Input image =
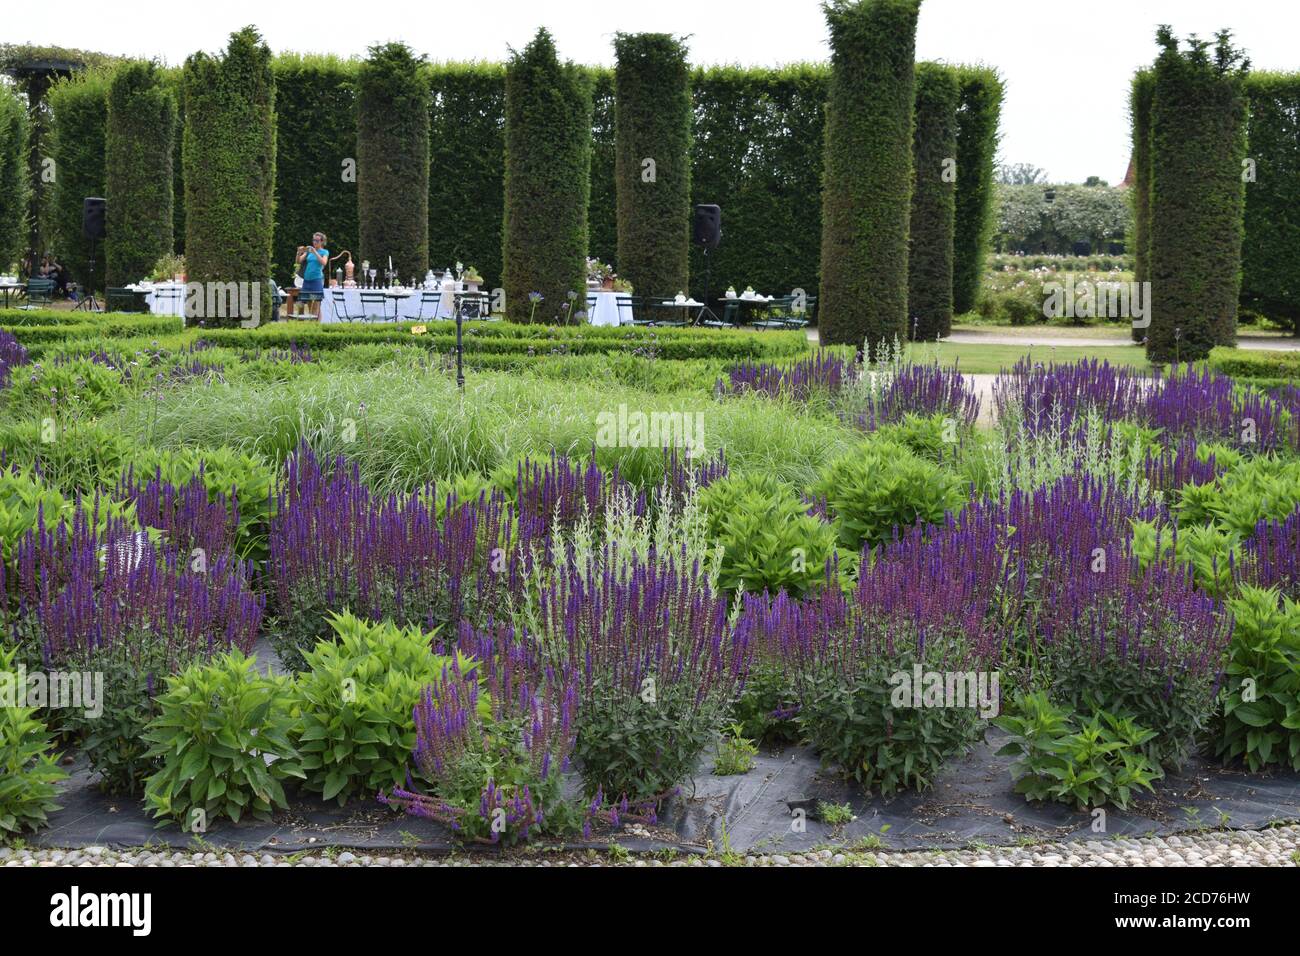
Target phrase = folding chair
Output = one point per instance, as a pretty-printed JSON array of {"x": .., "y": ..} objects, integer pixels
[
  {"x": 730, "y": 318},
  {"x": 40, "y": 293},
  {"x": 124, "y": 300},
  {"x": 371, "y": 299}
]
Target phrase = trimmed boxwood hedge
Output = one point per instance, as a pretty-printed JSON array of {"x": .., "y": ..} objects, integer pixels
[
  {"x": 866, "y": 202},
  {"x": 14, "y": 186},
  {"x": 548, "y": 169},
  {"x": 1271, "y": 251},
  {"x": 977, "y": 146},
  {"x": 1257, "y": 365},
  {"x": 467, "y": 166},
  {"x": 138, "y": 150},
  {"x": 393, "y": 160},
  {"x": 78, "y": 120},
  {"x": 929, "y": 257},
  {"x": 652, "y": 120},
  {"x": 40, "y": 328},
  {"x": 316, "y": 132},
  {"x": 1198, "y": 142},
  {"x": 1140, "y": 112},
  {"x": 229, "y": 158}
]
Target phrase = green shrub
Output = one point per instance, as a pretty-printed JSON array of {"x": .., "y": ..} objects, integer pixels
[
  {"x": 228, "y": 154},
  {"x": 1198, "y": 195},
  {"x": 1270, "y": 261},
  {"x": 867, "y": 184},
  {"x": 652, "y": 117},
  {"x": 766, "y": 708},
  {"x": 1066, "y": 758},
  {"x": 138, "y": 172},
  {"x": 882, "y": 490},
  {"x": 977, "y": 146},
  {"x": 221, "y": 735},
  {"x": 852, "y": 724},
  {"x": 735, "y": 753},
  {"x": 548, "y": 163},
  {"x": 29, "y": 772},
  {"x": 1260, "y": 721},
  {"x": 393, "y": 159},
  {"x": 79, "y": 457},
  {"x": 1263, "y": 367},
  {"x": 930, "y": 243},
  {"x": 355, "y": 701}
]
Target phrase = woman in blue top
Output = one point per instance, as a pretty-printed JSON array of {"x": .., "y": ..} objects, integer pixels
[{"x": 314, "y": 259}]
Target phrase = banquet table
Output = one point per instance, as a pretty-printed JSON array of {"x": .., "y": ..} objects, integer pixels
[
  {"x": 162, "y": 298},
  {"x": 403, "y": 305},
  {"x": 604, "y": 308},
  {"x": 11, "y": 288}
]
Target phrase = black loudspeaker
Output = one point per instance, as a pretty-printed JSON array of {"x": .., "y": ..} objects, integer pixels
[
  {"x": 708, "y": 226},
  {"x": 92, "y": 217}
]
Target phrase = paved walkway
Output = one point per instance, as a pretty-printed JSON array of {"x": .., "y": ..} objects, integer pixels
[
  {"x": 1276, "y": 847},
  {"x": 1048, "y": 336}
]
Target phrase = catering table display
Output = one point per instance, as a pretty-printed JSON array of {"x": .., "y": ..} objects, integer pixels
[
  {"x": 394, "y": 304},
  {"x": 162, "y": 298},
  {"x": 609, "y": 308}
]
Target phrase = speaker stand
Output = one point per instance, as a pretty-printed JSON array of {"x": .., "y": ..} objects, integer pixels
[
  {"x": 706, "y": 312},
  {"x": 88, "y": 301}
]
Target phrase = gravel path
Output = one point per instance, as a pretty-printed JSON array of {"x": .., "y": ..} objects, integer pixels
[{"x": 1276, "y": 847}]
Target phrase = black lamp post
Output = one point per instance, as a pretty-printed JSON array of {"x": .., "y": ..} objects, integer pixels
[{"x": 460, "y": 370}]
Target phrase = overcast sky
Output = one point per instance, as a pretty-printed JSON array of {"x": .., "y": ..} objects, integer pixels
[{"x": 1066, "y": 63}]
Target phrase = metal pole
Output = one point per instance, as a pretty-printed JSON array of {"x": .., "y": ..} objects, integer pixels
[{"x": 460, "y": 371}]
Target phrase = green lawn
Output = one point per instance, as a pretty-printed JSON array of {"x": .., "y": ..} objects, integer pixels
[{"x": 991, "y": 359}]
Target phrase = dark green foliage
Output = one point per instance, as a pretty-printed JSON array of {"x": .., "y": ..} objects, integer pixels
[
  {"x": 652, "y": 117},
  {"x": 393, "y": 160},
  {"x": 757, "y": 154},
  {"x": 14, "y": 183},
  {"x": 1198, "y": 143},
  {"x": 1087, "y": 761},
  {"x": 467, "y": 166},
  {"x": 29, "y": 772},
  {"x": 548, "y": 163},
  {"x": 1140, "y": 246},
  {"x": 316, "y": 133},
  {"x": 867, "y": 182},
  {"x": 229, "y": 159},
  {"x": 602, "y": 206},
  {"x": 930, "y": 252},
  {"x": 1271, "y": 251},
  {"x": 977, "y": 146},
  {"x": 79, "y": 117},
  {"x": 138, "y": 149}
]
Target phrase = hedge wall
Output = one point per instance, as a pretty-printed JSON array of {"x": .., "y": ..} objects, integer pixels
[
  {"x": 78, "y": 118},
  {"x": 14, "y": 185},
  {"x": 138, "y": 145},
  {"x": 1198, "y": 142},
  {"x": 467, "y": 166},
  {"x": 757, "y": 154},
  {"x": 602, "y": 206},
  {"x": 547, "y": 181},
  {"x": 229, "y": 159},
  {"x": 652, "y": 120},
  {"x": 977, "y": 146},
  {"x": 393, "y": 160},
  {"x": 316, "y": 132},
  {"x": 934, "y": 150},
  {"x": 1271, "y": 251},
  {"x": 1140, "y": 112},
  {"x": 175, "y": 79},
  {"x": 867, "y": 198}
]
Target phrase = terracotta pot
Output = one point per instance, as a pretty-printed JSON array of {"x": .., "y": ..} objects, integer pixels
[{"x": 607, "y": 285}]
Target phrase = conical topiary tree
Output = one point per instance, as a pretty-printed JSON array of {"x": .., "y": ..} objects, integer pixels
[{"x": 867, "y": 179}]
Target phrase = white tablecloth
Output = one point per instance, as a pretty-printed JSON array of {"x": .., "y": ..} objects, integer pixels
[
  {"x": 603, "y": 308},
  {"x": 163, "y": 298},
  {"x": 408, "y": 307}
]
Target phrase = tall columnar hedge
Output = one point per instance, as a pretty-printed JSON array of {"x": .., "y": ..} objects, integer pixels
[
  {"x": 1140, "y": 247},
  {"x": 548, "y": 168},
  {"x": 175, "y": 78},
  {"x": 652, "y": 119},
  {"x": 13, "y": 178},
  {"x": 757, "y": 153},
  {"x": 316, "y": 154},
  {"x": 866, "y": 201},
  {"x": 467, "y": 166},
  {"x": 139, "y": 141},
  {"x": 602, "y": 205},
  {"x": 393, "y": 160},
  {"x": 977, "y": 147},
  {"x": 229, "y": 158},
  {"x": 1198, "y": 144},
  {"x": 78, "y": 118},
  {"x": 1271, "y": 252},
  {"x": 934, "y": 154}
]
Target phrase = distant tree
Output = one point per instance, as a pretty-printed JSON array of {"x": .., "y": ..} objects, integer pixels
[
  {"x": 1095, "y": 181},
  {"x": 1020, "y": 174}
]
